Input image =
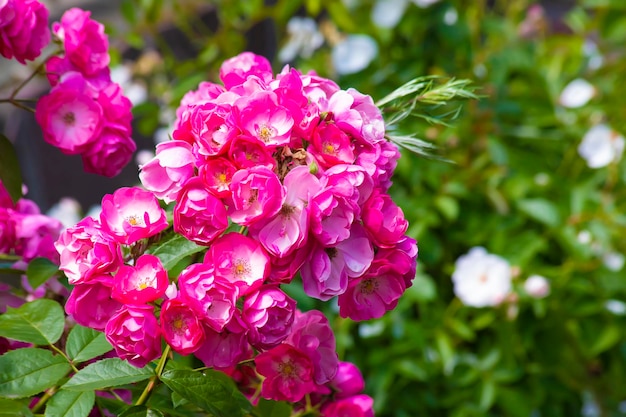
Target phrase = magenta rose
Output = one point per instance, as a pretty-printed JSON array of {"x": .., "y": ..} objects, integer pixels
[
  {"x": 269, "y": 314},
  {"x": 23, "y": 29},
  {"x": 109, "y": 154},
  {"x": 135, "y": 334},
  {"x": 139, "y": 284},
  {"x": 181, "y": 327},
  {"x": 91, "y": 305},
  {"x": 355, "y": 406},
  {"x": 236, "y": 70},
  {"x": 166, "y": 173}
]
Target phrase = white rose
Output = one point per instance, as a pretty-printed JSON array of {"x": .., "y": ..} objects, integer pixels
[{"x": 481, "y": 279}]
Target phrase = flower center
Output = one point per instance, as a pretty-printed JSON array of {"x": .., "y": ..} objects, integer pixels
[
  {"x": 286, "y": 210},
  {"x": 241, "y": 268},
  {"x": 287, "y": 369},
  {"x": 331, "y": 252},
  {"x": 329, "y": 148},
  {"x": 266, "y": 132},
  {"x": 69, "y": 118},
  {"x": 369, "y": 286},
  {"x": 134, "y": 220}
]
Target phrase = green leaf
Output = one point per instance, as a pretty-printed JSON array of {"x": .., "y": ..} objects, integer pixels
[
  {"x": 14, "y": 408},
  {"x": 541, "y": 210},
  {"x": 71, "y": 404},
  {"x": 28, "y": 371},
  {"x": 171, "y": 251},
  {"x": 267, "y": 408},
  {"x": 39, "y": 271},
  {"x": 211, "y": 390},
  {"x": 40, "y": 322},
  {"x": 107, "y": 373},
  {"x": 84, "y": 343},
  {"x": 10, "y": 173},
  {"x": 141, "y": 411}
]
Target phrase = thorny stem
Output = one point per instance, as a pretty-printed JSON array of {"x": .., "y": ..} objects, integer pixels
[{"x": 158, "y": 371}]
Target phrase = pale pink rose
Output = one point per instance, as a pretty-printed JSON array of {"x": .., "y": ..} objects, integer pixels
[
  {"x": 165, "y": 174},
  {"x": 311, "y": 334},
  {"x": 481, "y": 279},
  {"x": 181, "y": 327},
  {"x": 537, "y": 286},
  {"x": 135, "y": 334},
  {"x": 256, "y": 194},
  {"x": 226, "y": 348},
  {"x": 199, "y": 215},
  {"x": 383, "y": 220},
  {"x": 268, "y": 313},
  {"x": 318, "y": 89},
  {"x": 23, "y": 29},
  {"x": 69, "y": 117},
  {"x": 85, "y": 251},
  {"x": 354, "y": 406},
  {"x": 236, "y": 70},
  {"x": 288, "y": 229},
  {"x": 109, "y": 154},
  {"x": 288, "y": 373},
  {"x": 91, "y": 305},
  {"x": 131, "y": 214},
  {"x": 239, "y": 259},
  {"x": 373, "y": 125},
  {"x": 212, "y": 297},
  {"x": 142, "y": 283},
  {"x": 86, "y": 45},
  {"x": 261, "y": 117}
]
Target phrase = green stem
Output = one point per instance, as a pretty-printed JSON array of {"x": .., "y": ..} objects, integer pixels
[
  {"x": 49, "y": 393},
  {"x": 158, "y": 371},
  {"x": 60, "y": 352}
]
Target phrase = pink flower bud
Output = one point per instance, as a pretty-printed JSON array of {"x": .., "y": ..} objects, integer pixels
[
  {"x": 236, "y": 70},
  {"x": 355, "y": 406},
  {"x": 348, "y": 381},
  {"x": 537, "y": 286}
]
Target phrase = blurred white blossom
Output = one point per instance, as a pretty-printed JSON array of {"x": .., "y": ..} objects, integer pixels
[
  {"x": 134, "y": 91},
  {"x": 616, "y": 307},
  {"x": 424, "y": 3},
  {"x": 600, "y": 146},
  {"x": 594, "y": 57},
  {"x": 481, "y": 279},
  {"x": 577, "y": 93},
  {"x": 537, "y": 286},
  {"x": 614, "y": 261},
  {"x": 387, "y": 13},
  {"x": 67, "y": 211},
  {"x": 451, "y": 16},
  {"x": 354, "y": 53},
  {"x": 304, "y": 39}
]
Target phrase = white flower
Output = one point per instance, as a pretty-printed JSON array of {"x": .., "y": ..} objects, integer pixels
[
  {"x": 387, "y": 13},
  {"x": 354, "y": 53},
  {"x": 304, "y": 39},
  {"x": 424, "y": 3},
  {"x": 481, "y": 279},
  {"x": 537, "y": 286},
  {"x": 613, "y": 261},
  {"x": 67, "y": 211},
  {"x": 616, "y": 307},
  {"x": 600, "y": 146},
  {"x": 577, "y": 93}
]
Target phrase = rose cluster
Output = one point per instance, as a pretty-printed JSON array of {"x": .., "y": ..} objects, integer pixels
[
  {"x": 85, "y": 113},
  {"x": 24, "y": 231},
  {"x": 23, "y": 29},
  {"x": 304, "y": 167},
  {"x": 277, "y": 178}
]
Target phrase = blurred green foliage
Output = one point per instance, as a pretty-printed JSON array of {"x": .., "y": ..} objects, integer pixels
[{"x": 514, "y": 184}]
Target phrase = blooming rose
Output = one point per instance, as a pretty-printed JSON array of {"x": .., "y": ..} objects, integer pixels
[
  {"x": 139, "y": 284},
  {"x": 109, "y": 154},
  {"x": 199, "y": 215},
  {"x": 91, "y": 305},
  {"x": 236, "y": 70},
  {"x": 601, "y": 146},
  {"x": 481, "y": 279},
  {"x": 165, "y": 174},
  {"x": 23, "y": 29},
  {"x": 355, "y": 406},
  {"x": 131, "y": 214},
  {"x": 135, "y": 334},
  {"x": 182, "y": 329},
  {"x": 256, "y": 194},
  {"x": 269, "y": 314}
]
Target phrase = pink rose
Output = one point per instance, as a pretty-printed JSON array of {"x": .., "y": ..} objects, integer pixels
[
  {"x": 288, "y": 373},
  {"x": 181, "y": 327},
  {"x": 269, "y": 314},
  {"x": 131, "y": 214},
  {"x": 256, "y": 194},
  {"x": 23, "y": 29},
  {"x": 348, "y": 381},
  {"x": 236, "y": 70},
  {"x": 166, "y": 173},
  {"x": 383, "y": 220},
  {"x": 69, "y": 117},
  {"x": 262, "y": 118},
  {"x": 226, "y": 348},
  {"x": 91, "y": 305},
  {"x": 199, "y": 215},
  {"x": 109, "y": 154},
  {"x": 86, "y": 45},
  {"x": 135, "y": 334},
  {"x": 35, "y": 235},
  {"x": 355, "y": 406},
  {"x": 85, "y": 250},
  {"x": 142, "y": 283}
]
